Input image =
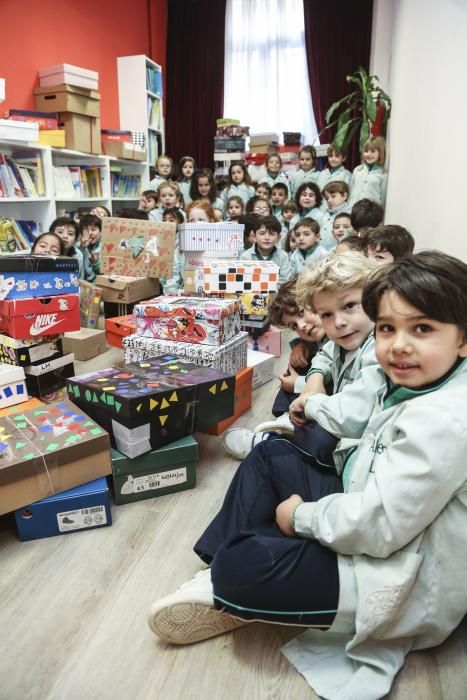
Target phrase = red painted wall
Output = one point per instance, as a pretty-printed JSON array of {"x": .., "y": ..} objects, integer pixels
[{"x": 87, "y": 33}]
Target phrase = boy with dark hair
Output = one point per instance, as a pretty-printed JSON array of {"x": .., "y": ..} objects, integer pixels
[
  {"x": 173, "y": 215},
  {"x": 353, "y": 242},
  {"x": 148, "y": 200},
  {"x": 266, "y": 235},
  {"x": 385, "y": 244},
  {"x": 335, "y": 169},
  {"x": 366, "y": 214},
  {"x": 279, "y": 194},
  {"x": 90, "y": 228},
  {"x": 336, "y": 195},
  {"x": 309, "y": 250},
  {"x": 68, "y": 230}
]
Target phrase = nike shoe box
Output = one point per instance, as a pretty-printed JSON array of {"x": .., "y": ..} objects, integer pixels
[
  {"x": 29, "y": 351},
  {"x": 12, "y": 386},
  {"x": 84, "y": 507},
  {"x": 38, "y": 317},
  {"x": 26, "y": 276},
  {"x": 167, "y": 470},
  {"x": 49, "y": 376}
]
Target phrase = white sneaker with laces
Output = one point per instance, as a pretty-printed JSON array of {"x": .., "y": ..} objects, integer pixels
[
  {"x": 189, "y": 615},
  {"x": 239, "y": 442},
  {"x": 282, "y": 424}
]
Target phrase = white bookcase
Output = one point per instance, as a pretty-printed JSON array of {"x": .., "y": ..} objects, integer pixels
[
  {"x": 54, "y": 203},
  {"x": 141, "y": 101}
]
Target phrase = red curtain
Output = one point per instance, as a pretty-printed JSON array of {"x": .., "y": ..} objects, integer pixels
[
  {"x": 338, "y": 41},
  {"x": 195, "y": 77}
]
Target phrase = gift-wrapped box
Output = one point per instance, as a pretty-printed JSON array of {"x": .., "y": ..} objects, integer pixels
[
  {"x": 119, "y": 327},
  {"x": 47, "y": 450},
  {"x": 236, "y": 277},
  {"x": 145, "y": 405},
  {"x": 84, "y": 507},
  {"x": 49, "y": 376},
  {"x": 225, "y": 236},
  {"x": 126, "y": 290},
  {"x": 89, "y": 305},
  {"x": 12, "y": 386},
  {"x": 269, "y": 342},
  {"x": 27, "y": 276},
  {"x": 137, "y": 248},
  {"x": 188, "y": 319},
  {"x": 29, "y": 351},
  {"x": 243, "y": 397},
  {"x": 26, "y": 318},
  {"x": 229, "y": 357},
  {"x": 262, "y": 365},
  {"x": 169, "y": 469}
]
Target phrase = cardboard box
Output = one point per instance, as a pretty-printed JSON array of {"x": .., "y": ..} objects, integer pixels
[
  {"x": 68, "y": 98},
  {"x": 26, "y": 276},
  {"x": 48, "y": 450},
  {"x": 66, "y": 73},
  {"x": 45, "y": 120},
  {"x": 16, "y": 352},
  {"x": 236, "y": 277},
  {"x": 167, "y": 470},
  {"x": 229, "y": 357},
  {"x": 25, "y": 318},
  {"x": 12, "y": 386},
  {"x": 243, "y": 398},
  {"x": 197, "y": 259},
  {"x": 262, "y": 365},
  {"x": 119, "y": 327},
  {"x": 84, "y": 507},
  {"x": 89, "y": 304},
  {"x": 81, "y": 133},
  {"x": 188, "y": 319},
  {"x": 12, "y": 130},
  {"x": 269, "y": 342},
  {"x": 21, "y": 407},
  {"x": 85, "y": 343},
  {"x": 145, "y": 405},
  {"x": 116, "y": 309},
  {"x": 112, "y": 135},
  {"x": 224, "y": 236},
  {"x": 52, "y": 137},
  {"x": 122, "y": 149},
  {"x": 136, "y": 248},
  {"x": 50, "y": 376},
  {"x": 125, "y": 290},
  {"x": 191, "y": 281}
]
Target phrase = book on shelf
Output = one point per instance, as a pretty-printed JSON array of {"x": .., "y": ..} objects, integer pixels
[
  {"x": 16, "y": 235},
  {"x": 31, "y": 161},
  {"x": 20, "y": 179},
  {"x": 154, "y": 80},
  {"x": 77, "y": 181},
  {"x": 124, "y": 184},
  {"x": 154, "y": 113}
]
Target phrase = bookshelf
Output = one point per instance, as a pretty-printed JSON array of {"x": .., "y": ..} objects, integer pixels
[
  {"x": 140, "y": 96},
  {"x": 91, "y": 175}
]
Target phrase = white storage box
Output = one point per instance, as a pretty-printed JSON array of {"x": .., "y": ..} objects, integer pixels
[
  {"x": 12, "y": 385},
  {"x": 71, "y": 75},
  {"x": 222, "y": 236},
  {"x": 11, "y": 130},
  {"x": 263, "y": 367}
]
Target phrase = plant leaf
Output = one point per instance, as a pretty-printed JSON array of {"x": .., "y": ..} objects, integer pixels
[
  {"x": 339, "y": 104},
  {"x": 364, "y": 135},
  {"x": 370, "y": 107},
  {"x": 340, "y": 138}
]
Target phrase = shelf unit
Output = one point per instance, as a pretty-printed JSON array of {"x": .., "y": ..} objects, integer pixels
[
  {"x": 45, "y": 209},
  {"x": 141, "y": 101}
]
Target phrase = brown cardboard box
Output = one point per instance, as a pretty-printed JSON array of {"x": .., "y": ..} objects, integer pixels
[
  {"x": 122, "y": 149},
  {"x": 81, "y": 133},
  {"x": 126, "y": 290},
  {"x": 68, "y": 98},
  {"x": 61, "y": 447},
  {"x": 85, "y": 343}
]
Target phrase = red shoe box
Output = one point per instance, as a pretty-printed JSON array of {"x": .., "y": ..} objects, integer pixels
[
  {"x": 119, "y": 327},
  {"x": 34, "y": 318}
]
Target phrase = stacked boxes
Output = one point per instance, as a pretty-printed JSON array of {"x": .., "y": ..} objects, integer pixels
[
  {"x": 229, "y": 143},
  {"x": 90, "y": 301},
  {"x": 120, "y": 294}
]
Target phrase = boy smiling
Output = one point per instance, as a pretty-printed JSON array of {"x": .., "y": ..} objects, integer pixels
[{"x": 266, "y": 236}]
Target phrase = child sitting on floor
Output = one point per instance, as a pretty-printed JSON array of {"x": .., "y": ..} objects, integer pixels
[
  {"x": 385, "y": 244},
  {"x": 376, "y": 561}
]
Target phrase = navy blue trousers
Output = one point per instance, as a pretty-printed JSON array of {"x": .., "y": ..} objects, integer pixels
[{"x": 258, "y": 572}]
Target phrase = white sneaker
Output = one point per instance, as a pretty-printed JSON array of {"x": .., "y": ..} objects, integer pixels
[
  {"x": 239, "y": 442},
  {"x": 282, "y": 424},
  {"x": 189, "y": 615}
]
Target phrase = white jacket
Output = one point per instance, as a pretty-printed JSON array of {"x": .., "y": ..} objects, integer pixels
[
  {"x": 400, "y": 531},
  {"x": 368, "y": 183}
]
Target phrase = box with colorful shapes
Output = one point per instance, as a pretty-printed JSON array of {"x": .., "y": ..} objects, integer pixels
[
  {"x": 243, "y": 398},
  {"x": 47, "y": 450},
  {"x": 25, "y": 352},
  {"x": 25, "y": 318},
  {"x": 145, "y": 405},
  {"x": 12, "y": 386},
  {"x": 31, "y": 276},
  {"x": 188, "y": 319}
]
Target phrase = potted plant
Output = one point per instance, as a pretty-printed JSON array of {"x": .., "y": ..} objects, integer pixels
[{"x": 365, "y": 111}]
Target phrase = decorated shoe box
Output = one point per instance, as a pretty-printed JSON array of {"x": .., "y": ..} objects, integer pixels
[
  {"x": 229, "y": 357},
  {"x": 48, "y": 450},
  {"x": 167, "y": 470},
  {"x": 269, "y": 342},
  {"x": 85, "y": 343},
  {"x": 243, "y": 398},
  {"x": 89, "y": 304},
  {"x": 197, "y": 259},
  {"x": 29, "y": 351},
  {"x": 26, "y": 318},
  {"x": 145, "y": 405},
  {"x": 84, "y": 507},
  {"x": 12, "y": 386},
  {"x": 189, "y": 319},
  {"x": 263, "y": 367},
  {"x": 118, "y": 328},
  {"x": 114, "y": 309},
  {"x": 238, "y": 276},
  {"x": 126, "y": 290},
  {"x": 21, "y": 407},
  {"x": 27, "y": 276},
  {"x": 49, "y": 376},
  {"x": 255, "y": 324},
  {"x": 222, "y": 236}
]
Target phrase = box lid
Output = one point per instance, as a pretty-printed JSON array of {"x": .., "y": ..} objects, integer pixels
[
  {"x": 97, "y": 486},
  {"x": 169, "y": 455},
  {"x": 50, "y": 365},
  {"x": 10, "y": 374},
  {"x": 30, "y": 113},
  {"x": 74, "y": 89},
  {"x": 196, "y": 307},
  {"x": 119, "y": 283},
  {"x": 85, "y": 334},
  {"x": 37, "y": 263},
  {"x": 121, "y": 324},
  {"x": 16, "y": 124},
  {"x": 11, "y": 308},
  {"x": 77, "y": 70}
]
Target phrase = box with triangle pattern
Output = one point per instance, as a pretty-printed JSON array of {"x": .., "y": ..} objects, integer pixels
[{"x": 145, "y": 405}]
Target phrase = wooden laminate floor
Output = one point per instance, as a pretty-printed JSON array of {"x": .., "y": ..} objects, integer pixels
[{"x": 73, "y": 608}]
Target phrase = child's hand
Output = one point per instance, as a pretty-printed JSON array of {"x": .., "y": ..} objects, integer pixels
[
  {"x": 297, "y": 410},
  {"x": 288, "y": 379},
  {"x": 284, "y": 513},
  {"x": 85, "y": 238},
  {"x": 300, "y": 355}
]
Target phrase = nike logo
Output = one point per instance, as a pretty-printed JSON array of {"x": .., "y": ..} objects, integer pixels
[{"x": 43, "y": 323}]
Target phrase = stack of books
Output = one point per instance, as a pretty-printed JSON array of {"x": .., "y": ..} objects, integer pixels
[
  {"x": 77, "y": 181},
  {"x": 21, "y": 175}
]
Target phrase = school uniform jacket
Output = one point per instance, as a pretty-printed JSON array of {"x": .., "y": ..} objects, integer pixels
[
  {"x": 244, "y": 191},
  {"x": 329, "y": 174},
  {"x": 156, "y": 182},
  {"x": 368, "y": 182},
  {"x": 301, "y": 176},
  {"x": 271, "y": 180},
  {"x": 327, "y": 221},
  {"x": 399, "y": 531},
  {"x": 277, "y": 256},
  {"x": 185, "y": 185},
  {"x": 307, "y": 259}
]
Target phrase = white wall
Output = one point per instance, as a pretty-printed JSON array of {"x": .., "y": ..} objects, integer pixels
[{"x": 420, "y": 47}]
